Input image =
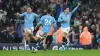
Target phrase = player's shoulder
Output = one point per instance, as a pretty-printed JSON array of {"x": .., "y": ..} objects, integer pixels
[
  {"x": 33, "y": 13},
  {"x": 70, "y": 12},
  {"x": 62, "y": 13}
]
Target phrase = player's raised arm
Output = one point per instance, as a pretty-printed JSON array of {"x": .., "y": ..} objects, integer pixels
[{"x": 75, "y": 8}]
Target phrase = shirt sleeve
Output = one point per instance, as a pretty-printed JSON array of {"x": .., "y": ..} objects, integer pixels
[
  {"x": 60, "y": 19},
  {"x": 37, "y": 18},
  {"x": 74, "y": 9},
  {"x": 23, "y": 14},
  {"x": 40, "y": 22}
]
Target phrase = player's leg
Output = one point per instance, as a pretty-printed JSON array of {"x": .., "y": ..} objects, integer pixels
[
  {"x": 25, "y": 38},
  {"x": 37, "y": 36},
  {"x": 66, "y": 40},
  {"x": 40, "y": 36},
  {"x": 67, "y": 37},
  {"x": 49, "y": 40},
  {"x": 64, "y": 34},
  {"x": 31, "y": 36},
  {"x": 43, "y": 37},
  {"x": 28, "y": 34}
]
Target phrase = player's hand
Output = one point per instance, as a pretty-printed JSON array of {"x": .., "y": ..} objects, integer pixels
[{"x": 79, "y": 3}]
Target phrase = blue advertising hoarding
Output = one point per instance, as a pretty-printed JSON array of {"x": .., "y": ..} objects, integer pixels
[{"x": 15, "y": 46}]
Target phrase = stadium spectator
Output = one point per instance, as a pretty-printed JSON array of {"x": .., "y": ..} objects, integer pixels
[
  {"x": 0, "y": 4},
  {"x": 3, "y": 15},
  {"x": 85, "y": 38},
  {"x": 26, "y": 6},
  {"x": 52, "y": 7},
  {"x": 59, "y": 9}
]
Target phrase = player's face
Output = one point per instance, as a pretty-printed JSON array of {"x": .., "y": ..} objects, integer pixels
[
  {"x": 29, "y": 10},
  {"x": 66, "y": 10}
]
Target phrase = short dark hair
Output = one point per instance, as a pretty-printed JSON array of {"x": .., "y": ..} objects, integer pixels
[
  {"x": 30, "y": 7},
  {"x": 65, "y": 7},
  {"x": 48, "y": 10}
]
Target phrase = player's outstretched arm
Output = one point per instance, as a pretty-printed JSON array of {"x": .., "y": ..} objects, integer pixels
[
  {"x": 38, "y": 25},
  {"x": 40, "y": 22},
  {"x": 21, "y": 15},
  {"x": 76, "y": 8},
  {"x": 37, "y": 17}
]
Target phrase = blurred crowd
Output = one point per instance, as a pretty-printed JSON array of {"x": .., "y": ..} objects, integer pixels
[{"x": 88, "y": 15}]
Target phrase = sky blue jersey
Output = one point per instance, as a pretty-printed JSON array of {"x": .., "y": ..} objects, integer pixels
[
  {"x": 28, "y": 19},
  {"x": 67, "y": 17},
  {"x": 47, "y": 22}
]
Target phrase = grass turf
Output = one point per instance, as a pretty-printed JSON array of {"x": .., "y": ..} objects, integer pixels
[{"x": 52, "y": 53}]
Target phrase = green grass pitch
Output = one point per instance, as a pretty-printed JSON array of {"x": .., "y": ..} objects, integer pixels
[{"x": 52, "y": 53}]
